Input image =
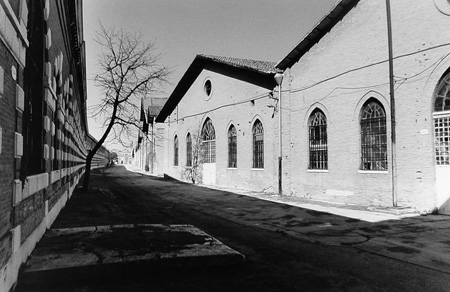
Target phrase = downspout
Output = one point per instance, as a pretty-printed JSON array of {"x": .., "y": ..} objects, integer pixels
[{"x": 392, "y": 105}]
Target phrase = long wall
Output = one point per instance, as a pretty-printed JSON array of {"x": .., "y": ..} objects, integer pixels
[
  {"x": 339, "y": 74},
  {"x": 232, "y": 102},
  {"x": 43, "y": 129}
]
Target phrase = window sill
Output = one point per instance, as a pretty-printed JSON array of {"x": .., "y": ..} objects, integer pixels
[
  {"x": 317, "y": 170},
  {"x": 232, "y": 168},
  {"x": 257, "y": 169},
  {"x": 373, "y": 171}
]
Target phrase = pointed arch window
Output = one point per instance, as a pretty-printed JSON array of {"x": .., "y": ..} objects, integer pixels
[
  {"x": 318, "y": 144},
  {"x": 208, "y": 142},
  {"x": 258, "y": 145},
  {"x": 188, "y": 150},
  {"x": 373, "y": 136},
  {"x": 442, "y": 99},
  {"x": 175, "y": 151},
  {"x": 232, "y": 147}
]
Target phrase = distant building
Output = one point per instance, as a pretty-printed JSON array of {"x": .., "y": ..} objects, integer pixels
[
  {"x": 125, "y": 157},
  {"x": 44, "y": 138},
  {"x": 149, "y": 136},
  {"x": 337, "y": 115}
]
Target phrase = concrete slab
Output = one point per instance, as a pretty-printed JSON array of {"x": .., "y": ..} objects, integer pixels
[{"x": 116, "y": 244}]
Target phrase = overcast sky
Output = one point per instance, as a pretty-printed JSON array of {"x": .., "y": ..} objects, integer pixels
[{"x": 264, "y": 30}]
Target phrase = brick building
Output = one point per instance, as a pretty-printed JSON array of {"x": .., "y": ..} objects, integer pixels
[
  {"x": 43, "y": 126},
  {"x": 145, "y": 150},
  {"x": 344, "y": 140},
  {"x": 221, "y": 103},
  {"x": 340, "y": 73}
]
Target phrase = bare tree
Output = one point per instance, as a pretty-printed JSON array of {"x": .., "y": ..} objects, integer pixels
[
  {"x": 194, "y": 171},
  {"x": 129, "y": 70}
]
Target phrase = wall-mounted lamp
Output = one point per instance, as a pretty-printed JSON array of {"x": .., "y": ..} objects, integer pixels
[{"x": 279, "y": 79}]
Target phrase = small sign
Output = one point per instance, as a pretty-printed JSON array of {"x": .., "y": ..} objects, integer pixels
[{"x": 424, "y": 132}]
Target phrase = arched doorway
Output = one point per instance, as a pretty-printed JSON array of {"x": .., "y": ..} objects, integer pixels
[
  {"x": 441, "y": 120},
  {"x": 208, "y": 153}
]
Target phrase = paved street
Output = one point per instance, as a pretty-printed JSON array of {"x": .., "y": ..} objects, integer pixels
[{"x": 287, "y": 248}]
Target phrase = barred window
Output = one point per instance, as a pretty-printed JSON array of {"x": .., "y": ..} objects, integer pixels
[
  {"x": 232, "y": 147},
  {"x": 373, "y": 137},
  {"x": 318, "y": 146},
  {"x": 175, "y": 151},
  {"x": 188, "y": 150},
  {"x": 208, "y": 142},
  {"x": 442, "y": 122},
  {"x": 258, "y": 145}
]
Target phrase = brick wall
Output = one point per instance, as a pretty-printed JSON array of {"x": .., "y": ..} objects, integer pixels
[
  {"x": 352, "y": 62},
  {"x": 7, "y": 123},
  {"x": 31, "y": 200},
  {"x": 339, "y": 74},
  {"x": 232, "y": 102}
]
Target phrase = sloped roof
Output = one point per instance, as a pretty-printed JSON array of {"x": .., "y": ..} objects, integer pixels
[
  {"x": 260, "y": 66},
  {"x": 151, "y": 107},
  {"x": 255, "y": 72},
  {"x": 315, "y": 35}
]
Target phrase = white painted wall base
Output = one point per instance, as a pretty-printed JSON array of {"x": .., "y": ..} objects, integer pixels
[{"x": 10, "y": 272}]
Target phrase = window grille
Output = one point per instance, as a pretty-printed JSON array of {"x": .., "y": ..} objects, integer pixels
[
  {"x": 318, "y": 146},
  {"x": 232, "y": 147},
  {"x": 442, "y": 122},
  {"x": 373, "y": 137},
  {"x": 442, "y": 140},
  {"x": 175, "y": 151},
  {"x": 258, "y": 145},
  {"x": 188, "y": 150},
  {"x": 208, "y": 142}
]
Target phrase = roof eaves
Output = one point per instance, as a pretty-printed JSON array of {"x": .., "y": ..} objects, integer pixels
[
  {"x": 315, "y": 35},
  {"x": 262, "y": 67}
]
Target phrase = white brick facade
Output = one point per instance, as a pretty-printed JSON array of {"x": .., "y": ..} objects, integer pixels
[
  {"x": 344, "y": 69},
  {"x": 350, "y": 65},
  {"x": 232, "y": 102}
]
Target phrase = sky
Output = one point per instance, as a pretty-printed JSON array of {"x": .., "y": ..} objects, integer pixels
[{"x": 265, "y": 30}]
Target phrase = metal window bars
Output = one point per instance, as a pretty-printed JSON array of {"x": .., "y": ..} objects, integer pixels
[
  {"x": 258, "y": 145},
  {"x": 318, "y": 144},
  {"x": 209, "y": 142},
  {"x": 373, "y": 137},
  {"x": 188, "y": 150},
  {"x": 442, "y": 140},
  {"x": 232, "y": 147}
]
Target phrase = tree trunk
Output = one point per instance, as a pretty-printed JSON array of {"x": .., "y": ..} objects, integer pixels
[{"x": 87, "y": 172}]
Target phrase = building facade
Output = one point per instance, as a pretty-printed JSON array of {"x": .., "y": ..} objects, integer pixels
[
  {"x": 43, "y": 127},
  {"x": 369, "y": 147},
  {"x": 218, "y": 126},
  {"x": 347, "y": 137},
  {"x": 149, "y": 133}
]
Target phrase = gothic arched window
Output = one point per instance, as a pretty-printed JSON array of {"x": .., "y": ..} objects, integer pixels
[
  {"x": 188, "y": 150},
  {"x": 208, "y": 142},
  {"x": 175, "y": 151},
  {"x": 373, "y": 136},
  {"x": 232, "y": 147},
  {"x": 258, "y": 145},
  {"x": 318, "y": 144}
]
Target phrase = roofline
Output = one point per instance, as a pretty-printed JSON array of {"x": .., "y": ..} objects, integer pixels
[
  {"x": 197, "y": 65},
  {"x": 336, "y": 14}
]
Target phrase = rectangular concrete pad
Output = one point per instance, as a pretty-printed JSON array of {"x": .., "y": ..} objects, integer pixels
[{"x": 163, "y": 245}]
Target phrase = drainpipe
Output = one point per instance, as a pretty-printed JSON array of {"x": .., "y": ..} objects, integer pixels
[
  {"x": 392, "y": 105},
  {"x": 278, "y": 79}
]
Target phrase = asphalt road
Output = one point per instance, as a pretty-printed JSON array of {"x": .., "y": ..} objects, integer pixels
[{"x": 278, "y": 258}]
